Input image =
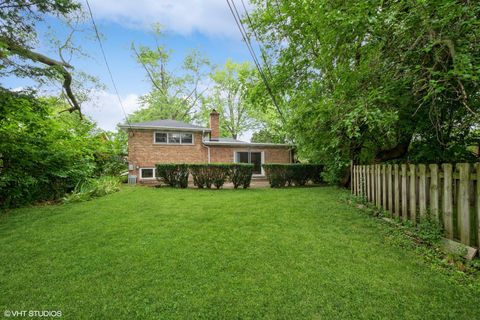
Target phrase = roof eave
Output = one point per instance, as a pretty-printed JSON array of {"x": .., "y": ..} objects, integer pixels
[
  {"x": 246, "y": 144},
  {"x": 126, "y": 126}
]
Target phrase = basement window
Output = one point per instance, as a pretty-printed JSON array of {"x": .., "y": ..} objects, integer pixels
[{"x": 147, "y": 173}]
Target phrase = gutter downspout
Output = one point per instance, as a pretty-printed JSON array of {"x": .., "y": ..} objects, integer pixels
[{"x": 208, "y": 148}]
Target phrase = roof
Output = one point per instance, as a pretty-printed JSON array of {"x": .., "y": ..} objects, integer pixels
[{"x": 167, "y": 124}]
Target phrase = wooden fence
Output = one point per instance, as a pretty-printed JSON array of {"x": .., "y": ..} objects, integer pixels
[{"x": 448, "y": 193}]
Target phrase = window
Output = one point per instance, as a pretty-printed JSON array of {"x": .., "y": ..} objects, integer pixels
[
  {"x": 173, "y": 137},
  {"x": 187, "y": 138},
  {"x": 160, "y": 137},
  {"x": 147, "y": 173},
  {"x": 254, "y": 158}
]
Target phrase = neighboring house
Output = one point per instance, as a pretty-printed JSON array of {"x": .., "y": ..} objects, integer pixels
[{"x": 171, "y": 141}]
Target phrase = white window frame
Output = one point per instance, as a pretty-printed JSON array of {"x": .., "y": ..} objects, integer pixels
[
  {"x": 168, "y": 138},
  {"x": 141, "y": 173},
  {"x": 249, "y": 160}
]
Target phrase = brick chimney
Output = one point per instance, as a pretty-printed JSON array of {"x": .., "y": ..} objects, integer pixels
[{"x": 214, "y": 125}]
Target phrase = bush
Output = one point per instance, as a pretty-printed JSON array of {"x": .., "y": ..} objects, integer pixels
[
  {"x": 241, "y": 174},
  {"x": 175, "y": 175},
  {"x": 93, "y": 188},
  {"x": 204, "y": 175},
  {"x": 281, "y": 174}
]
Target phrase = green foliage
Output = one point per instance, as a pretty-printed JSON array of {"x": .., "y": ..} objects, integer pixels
[
  {"x": 175, "y": 175},
  {"x": 44, "y": 154},
  {"x": 241, "y": 174},
  {"x": 282, "y": 174},
  {"x": 229, "y": 97},
  {"x": 93, "y": 188},
  {"x": 369, "y": 80},
  {"x": 204, "y": 175},
  {"x": 175, "y": 94}
]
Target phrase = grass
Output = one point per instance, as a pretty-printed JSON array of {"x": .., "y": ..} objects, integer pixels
[{"x": 147, "y": 253}]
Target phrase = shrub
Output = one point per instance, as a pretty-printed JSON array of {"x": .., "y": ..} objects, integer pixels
[
  {"x": 93, "y": 188},
  {"x": 281, "y": 174},
  {"x": 241, "y": 174},
  {"x": 208, "y": 174},
  {"x": 175, "y": 175}
]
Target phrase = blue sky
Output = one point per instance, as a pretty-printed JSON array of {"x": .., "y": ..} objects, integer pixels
[{"x": 206, "y": 25}]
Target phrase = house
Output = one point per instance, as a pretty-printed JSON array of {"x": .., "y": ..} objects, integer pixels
[{"x": 171, "y": 141}]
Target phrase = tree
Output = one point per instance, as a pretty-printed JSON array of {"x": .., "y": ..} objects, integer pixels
[
  {"x": 175, "y": 94},
  {"x": 374, "y": 81},
  {"x": 18, "y": 20},
  {"x": 229, "y": 97}
]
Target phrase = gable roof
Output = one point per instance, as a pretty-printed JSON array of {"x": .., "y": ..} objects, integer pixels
[{"x": 167, "y": 124}]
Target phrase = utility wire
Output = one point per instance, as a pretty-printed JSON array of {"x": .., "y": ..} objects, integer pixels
[
  {"x": 246, "y": 38},
  {"x": 106, "y": 63}
]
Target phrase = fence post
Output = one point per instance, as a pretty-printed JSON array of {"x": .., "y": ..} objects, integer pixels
[
  {"x": 389, "y": 188},
  {"x": 464, "y": 203},
  {"x": 422, "y": 186},
  {"x": 447, "y": 200},
  {"x": 434, "y": 191},
  {"x": 352, "y": 189},
  {"x": 404, "y": 192},
  {"x": 396, "y": 183},
  {"x": 413, "y": 193}
]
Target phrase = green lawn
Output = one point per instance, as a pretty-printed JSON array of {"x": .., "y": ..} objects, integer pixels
[{"x": 259, "y": 253}]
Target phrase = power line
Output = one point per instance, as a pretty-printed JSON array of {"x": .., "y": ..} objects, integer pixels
[
  {"x": 246, "y": 38},
  {"x": 106, "y": 63}
]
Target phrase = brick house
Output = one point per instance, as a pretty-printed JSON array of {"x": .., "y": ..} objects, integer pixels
[{"x": 171, "y": 141}]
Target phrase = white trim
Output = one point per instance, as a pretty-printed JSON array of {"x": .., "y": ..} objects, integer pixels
[
  {"x": 168, "y": 138},
  {"x": 126, "y": 126},
  {"x": 140, "y": 174},
  {"x": 262, "y": 160},
  {"x": 246, "y": 144}
]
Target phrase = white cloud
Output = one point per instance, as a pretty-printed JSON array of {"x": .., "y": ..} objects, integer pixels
[
  {"x": 105, "y": 109},
  {"x": 211, "y": 17}
]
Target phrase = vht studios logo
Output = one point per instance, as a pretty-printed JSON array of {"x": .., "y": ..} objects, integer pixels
[{"x": 33, "y": 313}]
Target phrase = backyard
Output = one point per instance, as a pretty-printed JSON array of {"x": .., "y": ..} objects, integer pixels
[{"x": 256, "y": 253}]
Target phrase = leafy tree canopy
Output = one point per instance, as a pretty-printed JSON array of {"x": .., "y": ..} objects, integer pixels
[{"x": 374, "y": 81}]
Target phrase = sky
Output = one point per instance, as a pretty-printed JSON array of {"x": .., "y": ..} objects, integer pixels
[{"x": 206, "y": 25}]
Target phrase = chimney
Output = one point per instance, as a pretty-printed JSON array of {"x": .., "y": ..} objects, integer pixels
[{"x": 214, "y": 125}]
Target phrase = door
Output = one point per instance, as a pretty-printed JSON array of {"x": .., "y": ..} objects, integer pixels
[{"x": 254, "y": 158}]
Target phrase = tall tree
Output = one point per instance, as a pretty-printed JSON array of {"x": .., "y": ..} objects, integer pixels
[
  {"x": 175, "y": 94},
  {"x": 18, "y": 36},
  {"x": 229, "y": 97},
  {"x": 374, "y": 81}
]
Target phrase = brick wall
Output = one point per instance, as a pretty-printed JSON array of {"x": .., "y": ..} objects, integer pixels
[
  {"x": 271, "y": 154},
  {"x": 143, "y": 153}
]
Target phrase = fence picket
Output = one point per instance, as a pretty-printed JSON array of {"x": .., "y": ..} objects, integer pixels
[
  {"x": 447, "y": 200},
  {"x": 434, "y": 191},
  {"x": 378, "y": 184},
  {"x": 422, "y": 188},
  {"x": 477, "y": 203},
  {"x": 384, "y": 187},
  {"x": 396, "y": 184},
  {"x": 404, "y": 192},
  {"x": 463, "y": 203},
  {"x": 413, "y": 193},
  {"x": 389, "y": 188}
]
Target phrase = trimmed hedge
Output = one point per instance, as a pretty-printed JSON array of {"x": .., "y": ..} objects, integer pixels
[
  {"x": 241, "y": 174},
  {"x": 282, "y": 174},
  {"x": 205, "y": 174},
  {"x": 175, "y": 175}
]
